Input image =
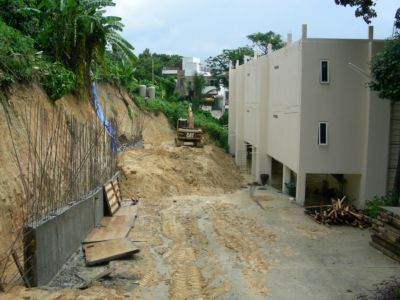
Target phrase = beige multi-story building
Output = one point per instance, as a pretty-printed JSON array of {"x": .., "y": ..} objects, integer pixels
[{"x": 305, "y": 114}]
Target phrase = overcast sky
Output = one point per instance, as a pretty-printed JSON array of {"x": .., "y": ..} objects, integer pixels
[{"x": 203, "y": 28}]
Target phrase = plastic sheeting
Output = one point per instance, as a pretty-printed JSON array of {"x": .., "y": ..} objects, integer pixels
[{"x": 111, "y": 132}]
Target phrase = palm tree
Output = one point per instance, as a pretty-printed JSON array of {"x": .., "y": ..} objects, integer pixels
[{"x": 76, "y": 32}]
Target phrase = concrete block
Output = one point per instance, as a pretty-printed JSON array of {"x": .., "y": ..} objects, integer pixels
[{"x": 53, "y": 241}]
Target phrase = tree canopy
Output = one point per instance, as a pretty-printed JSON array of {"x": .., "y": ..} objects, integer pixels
[
  {"x": 219, "y": 65},
  {"x": 364, "y": 8},
  {"x": 74, "y": 34},
  {"x": 261, "y": 40},
  {"x": 385, "y": 68}
]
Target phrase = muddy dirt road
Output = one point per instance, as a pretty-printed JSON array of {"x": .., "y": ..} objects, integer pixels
[{"x": 203, "y": 237}]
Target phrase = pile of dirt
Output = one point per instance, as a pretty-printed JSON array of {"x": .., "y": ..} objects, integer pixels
[{"x": 166, "y": 170}]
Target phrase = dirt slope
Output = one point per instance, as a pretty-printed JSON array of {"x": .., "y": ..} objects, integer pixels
[
  {"x": 166, "y": 170},
  {"x": 21, "y": 98}
]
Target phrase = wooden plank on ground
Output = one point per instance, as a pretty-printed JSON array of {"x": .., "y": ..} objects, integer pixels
[
  {"x": 117, "y": 220},
  {"x": 130, "y": 210},
  {"x": 97, "y": 253},
  {"x": 106, "y": 233}
]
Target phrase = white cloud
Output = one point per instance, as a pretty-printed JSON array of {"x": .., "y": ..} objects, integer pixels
[
  {"x": 206, "y": 27},
  {"x": 139, "y": 15}
]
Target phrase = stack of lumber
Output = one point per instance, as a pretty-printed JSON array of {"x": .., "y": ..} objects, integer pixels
[
  {"x": 386, "y": 232},
  {"x": 338, "y": 213}
]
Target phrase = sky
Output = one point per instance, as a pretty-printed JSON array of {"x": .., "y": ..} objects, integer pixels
[{"x": 203, "y": 28}]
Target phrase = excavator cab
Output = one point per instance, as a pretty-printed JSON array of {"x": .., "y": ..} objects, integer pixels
[{"x": 187, "y": 135}]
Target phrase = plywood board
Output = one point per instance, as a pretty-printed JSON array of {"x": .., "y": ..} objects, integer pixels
[
  {"x": 97, "y": 253},
  {"x": 117, "y": 220},
  {"x": 130, "y": 210},
  {"x": 106, "y": 233}
]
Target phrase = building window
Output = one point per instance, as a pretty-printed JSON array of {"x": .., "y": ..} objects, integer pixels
[
  {"x": 324, "y": 71},
  {"x": 323, "y": 133}
]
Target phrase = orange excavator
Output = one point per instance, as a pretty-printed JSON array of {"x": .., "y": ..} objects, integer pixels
[{"x": 186, "y": 134}]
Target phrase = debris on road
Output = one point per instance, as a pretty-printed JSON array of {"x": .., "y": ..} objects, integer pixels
[
  {"x": 101, "y": 252},
  {"x": 338, "y": 213}
]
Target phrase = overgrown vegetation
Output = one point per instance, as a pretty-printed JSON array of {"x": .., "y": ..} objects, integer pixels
[
  {"x": 19, "y": 60},
  {"x": 59, "y": 41},
  {"x": 372, "y": 206},
  {"x": 175, "y": 110}
]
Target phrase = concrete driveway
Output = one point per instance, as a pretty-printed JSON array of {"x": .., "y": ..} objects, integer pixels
[{"x": 233, "y": 247}]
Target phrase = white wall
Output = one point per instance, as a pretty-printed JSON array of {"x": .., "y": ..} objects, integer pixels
[
  {"x": 374, "y": 180},
  {"x": 284, "y": 94},
  {"x": 251, "y": 85},
  {"x": 240, "y": 149},
  {"x": 261, "y": 95},
  {"x": 358, "y": 121},
  {"x": 232, "y": 112},
  {"x": 341, "y": 103}
]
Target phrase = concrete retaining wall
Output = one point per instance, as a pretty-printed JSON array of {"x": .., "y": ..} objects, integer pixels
[{"x": 52, "y": 242}]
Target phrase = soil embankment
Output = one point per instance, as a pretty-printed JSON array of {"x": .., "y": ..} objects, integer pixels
[{"x": 24, "y": 105}]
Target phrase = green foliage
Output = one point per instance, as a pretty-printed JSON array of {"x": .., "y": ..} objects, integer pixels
[
  {"x": 19, "y": 60},
  {"x": 175, "y": 110},
  {"x": 372, "y": 206},
  {"x": 57, "y": 81},
  {"x": 385, "y": 67},
  {"x": 75, "y": 32},
  {"x": 147, "y": 60},
  {"x": 212, "y": 127},
  {"x": 116, "y": 70},
  {"x": 198, "y": 83},
  {"x": 365, "y": 8},
  {"x": 219, "y": 65},
  {"x": 261, "y": 41},
  {"x": 21, "y": 15},
  {"x": 168, "y": 84},
  {"x": 224, "y": 119}
]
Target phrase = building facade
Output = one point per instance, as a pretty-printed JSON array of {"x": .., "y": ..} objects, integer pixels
[{"x": 305, "y": 116}]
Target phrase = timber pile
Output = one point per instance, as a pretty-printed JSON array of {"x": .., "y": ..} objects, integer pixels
[
  {"x": 338, "y": 213},
  {"x": 386, "y": 232}
]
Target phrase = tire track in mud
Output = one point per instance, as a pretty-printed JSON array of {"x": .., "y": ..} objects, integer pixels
[
  {"x": 187, "y": 268},
  {"x": 234, "y": 233}
]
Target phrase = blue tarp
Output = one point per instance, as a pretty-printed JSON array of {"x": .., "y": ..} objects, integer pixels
[{"x": 111, "y": 132}]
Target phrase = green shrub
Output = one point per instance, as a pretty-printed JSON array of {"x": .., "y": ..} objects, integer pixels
[
  {"x": 224, "y": 119},
  {"x": 19, "y": 61},
  {"x": 212, "y": 126},
  {"x": 175, "y": 110},
  {"x": 57, "y": 81},
  {"x": 372, "y": 206}
]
